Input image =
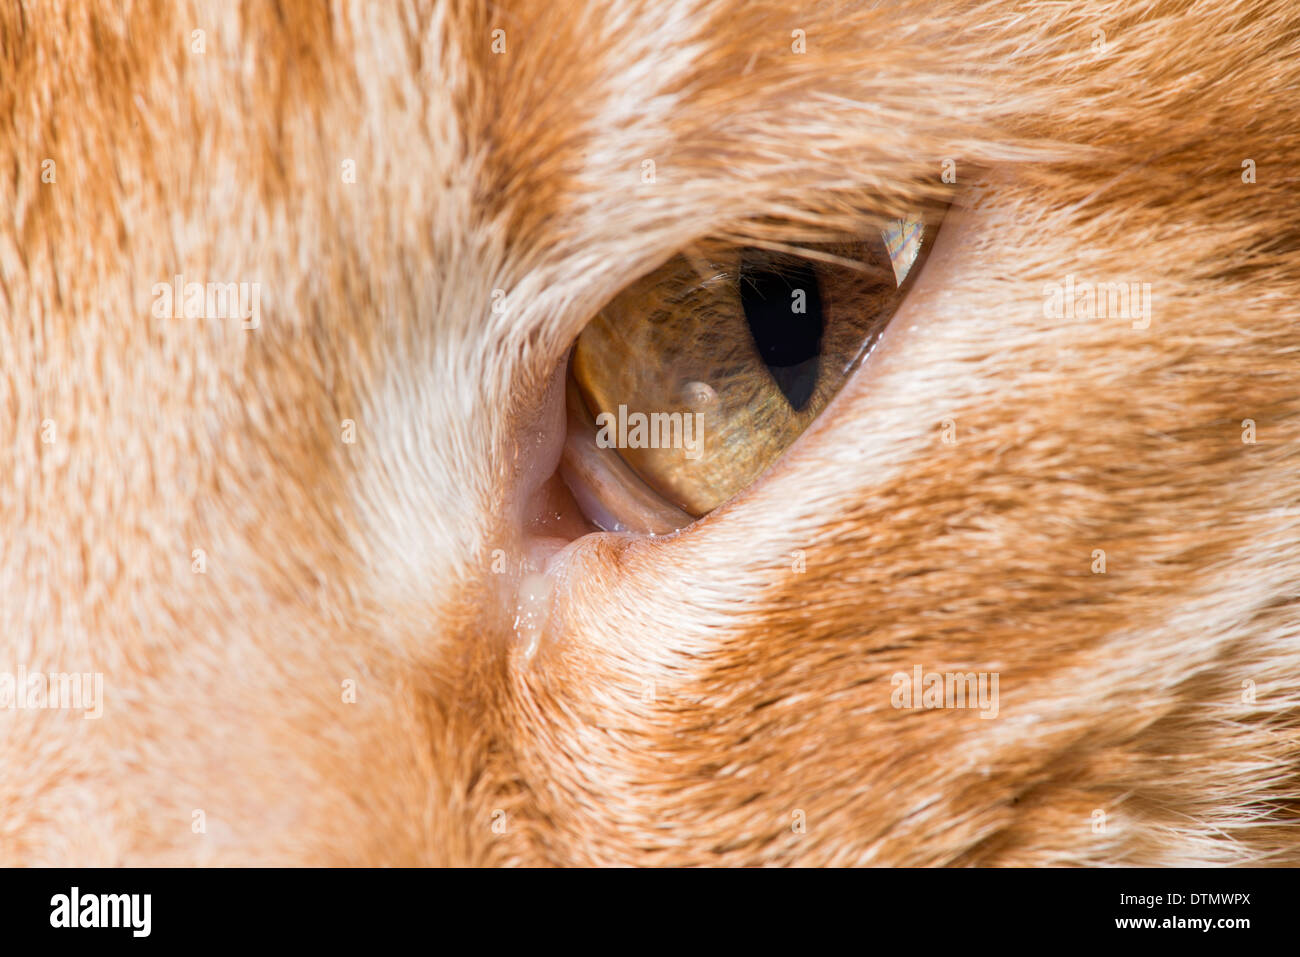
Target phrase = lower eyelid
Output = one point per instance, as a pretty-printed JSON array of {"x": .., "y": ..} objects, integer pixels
[{"x": 605, "y": 487}]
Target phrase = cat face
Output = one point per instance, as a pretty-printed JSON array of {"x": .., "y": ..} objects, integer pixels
[{"x": 314, "y": 535}]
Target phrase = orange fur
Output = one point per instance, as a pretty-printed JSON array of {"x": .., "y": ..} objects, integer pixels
[{"x": 770, "y": 688}]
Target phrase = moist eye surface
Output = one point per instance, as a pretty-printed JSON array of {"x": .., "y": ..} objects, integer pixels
[{"x": 699, "y": 375}]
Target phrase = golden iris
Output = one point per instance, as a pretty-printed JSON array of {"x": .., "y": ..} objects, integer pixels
[{"x": 727, "y": 356}]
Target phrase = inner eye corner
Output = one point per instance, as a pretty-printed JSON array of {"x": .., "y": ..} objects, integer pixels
[{"x": 695, "y": 379}]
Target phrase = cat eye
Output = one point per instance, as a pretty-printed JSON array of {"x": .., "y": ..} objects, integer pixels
[{"x": 696, "y": 378}]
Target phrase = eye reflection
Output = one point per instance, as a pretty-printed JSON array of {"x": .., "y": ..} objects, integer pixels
[{"x": 699, "y": 375}]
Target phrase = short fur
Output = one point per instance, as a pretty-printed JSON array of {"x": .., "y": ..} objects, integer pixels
[{"x": 768, "y": 736}]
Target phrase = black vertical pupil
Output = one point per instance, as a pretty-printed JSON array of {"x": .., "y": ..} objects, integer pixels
[{"x": 788, "y": 340}]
